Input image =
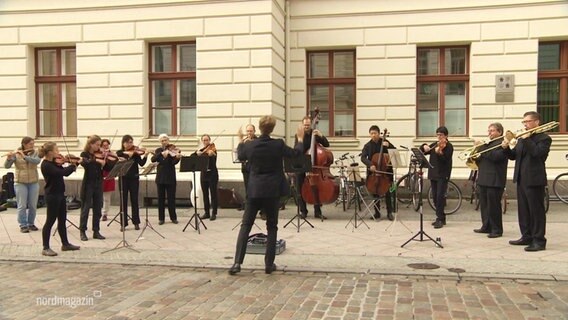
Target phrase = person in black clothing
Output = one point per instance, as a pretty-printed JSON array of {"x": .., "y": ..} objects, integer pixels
[
  {"x": 209, "y": 178},
  {"x": 369, "y": 150},
  {"x": 491, "y": 180},
  {"x": 441, "y": 153},
  {"x": 245, "y": 166},
  {"x": 267, "y": 184},
  {"x": 530, "y": 154},
  {"x": 53, "y": 174},
  {"x": 92, "y": 186},
  {"x": 167, "y": 158},
  {"x": 130, "y": 182},
  {"x": 300, "y": 177}
]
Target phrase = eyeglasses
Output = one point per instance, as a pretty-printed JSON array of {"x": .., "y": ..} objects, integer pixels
[{"x": 527, "y": 121}]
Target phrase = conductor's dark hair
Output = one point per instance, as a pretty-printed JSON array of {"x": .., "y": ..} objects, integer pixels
[{"x": 443, "y": 130}]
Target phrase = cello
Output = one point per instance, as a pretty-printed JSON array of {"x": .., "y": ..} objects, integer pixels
[
  {"x": 379, "y": 181},
  {"x": 319, "y": 186}
]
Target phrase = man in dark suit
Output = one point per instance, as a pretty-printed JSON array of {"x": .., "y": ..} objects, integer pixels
[
  {"x": 166, "y": 178},
  {"x": 441, "y": 153},
  {"x": 266, "y": 184},
  {"x": 491, "y": 180},
  {"x": 530, "y": 155}
]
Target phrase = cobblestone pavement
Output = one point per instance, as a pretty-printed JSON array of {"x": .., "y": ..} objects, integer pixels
[{"x": 43, "y": 290}]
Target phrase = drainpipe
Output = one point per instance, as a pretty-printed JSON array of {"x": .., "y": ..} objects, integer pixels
[{"x": 287, "y": 72}]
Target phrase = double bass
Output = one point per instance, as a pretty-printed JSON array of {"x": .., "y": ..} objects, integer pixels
[
  {"x": 379, "y": 182},
  {"x": 319, "y": 186}
]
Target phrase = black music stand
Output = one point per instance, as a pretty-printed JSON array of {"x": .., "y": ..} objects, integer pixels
[
  {"x": 193, "y": 164},
  {"x": 297, "y": 165},
  {"x": 119, "y": 170},
  {"x": 423, "y": 163},
  {"x": 147, "y": 171}
]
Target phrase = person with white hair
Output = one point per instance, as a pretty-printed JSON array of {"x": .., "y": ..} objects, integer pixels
[{"x": 167, "y": 157}]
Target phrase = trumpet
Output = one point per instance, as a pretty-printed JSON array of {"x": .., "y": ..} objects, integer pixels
[{"x": 512, "y": 138}]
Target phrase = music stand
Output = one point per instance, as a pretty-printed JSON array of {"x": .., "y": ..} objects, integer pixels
[
  {"x": 298, "y": 165},
  {"x": 119, "y": 170},
  {"x": 423, "y": 162},
  {"x": 147, "y": 171},
  {"x": 194, "y": 163}
]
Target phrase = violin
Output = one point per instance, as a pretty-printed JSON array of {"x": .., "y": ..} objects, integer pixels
[
  {"x": 106, "y": 155},
  {"x": 61, "y": 159},
  {"x": 441, "y": 145},
  {"x": 210, "y": 149},
  {"x": 135, "y": 150},
  {"x": 173, "y": 151}
]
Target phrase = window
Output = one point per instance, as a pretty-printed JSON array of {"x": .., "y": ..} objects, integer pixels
[
  {"x": 172, "y": 88},
  {"x": 552, "y": 91},
  {"x": 56, "y": 99},
  {"x": 331, "y": 88},
  {"x": 442, "y": 90}
]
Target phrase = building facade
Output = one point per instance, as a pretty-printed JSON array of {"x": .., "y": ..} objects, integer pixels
[{"x": 69, "y": 69}]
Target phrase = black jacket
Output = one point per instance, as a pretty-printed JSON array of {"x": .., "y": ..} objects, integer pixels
[
  {"x": 530, "y": 156},
  {"x": 492, "y": 166},
  {"x": 166, "y": 169},
  {"x": 442, "y": 164},
  {"x": 133, "y": 172},
  {"x": 53, "y": 175},
  {"x": 308, "y": 140},
  {"x": 371, "y": 148}
]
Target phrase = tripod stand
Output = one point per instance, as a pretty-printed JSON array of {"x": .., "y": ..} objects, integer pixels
[
  {"x": 298, "y": 165},
  {"x": 422, "y": 163},
  {"x": 356, "y": 216},
  {"x": 119, "y": 170},
  {"x": 194, "y": 163},
  {"x": 148, "y": 170}
]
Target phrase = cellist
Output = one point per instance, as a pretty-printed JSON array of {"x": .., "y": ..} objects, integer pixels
[
  {"x": 300, "y": 177},
  {"x": 374, "y": 146}
]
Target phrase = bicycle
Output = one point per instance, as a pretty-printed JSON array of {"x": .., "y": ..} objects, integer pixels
[
  {"x": 453, "y": 198},
  {"x": 408, "y": 188},
  {"x": 560, "y": 186},
  {"x": 348, "y": 177}
]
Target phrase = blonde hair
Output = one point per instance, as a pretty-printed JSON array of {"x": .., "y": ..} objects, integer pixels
[
  {"x": 266, "y": 124},
  {"x": 46, "y": 148},
  {"x": 90, "y": 140}
]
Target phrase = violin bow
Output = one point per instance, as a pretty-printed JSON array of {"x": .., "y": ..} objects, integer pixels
[{"x": 65, "y": 143}]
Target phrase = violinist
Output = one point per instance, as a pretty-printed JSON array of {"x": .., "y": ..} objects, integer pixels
[
  {"x": 300, "y": 177},
  {"x": 92, "y": 186},
  {"x": 371, "y": 148},
  {"x": 167, "y": 158},
  {"x": 441, "y": 153},
  {"x": 53, "y": 173},
  {"x": 26, "y": 184},
  {"x": 209, "y": 178},
  {"x": 131, "y": 180},
  {"x": 108, "y": 184}
]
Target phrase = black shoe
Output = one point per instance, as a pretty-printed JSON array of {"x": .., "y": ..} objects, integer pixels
[
  {"x": 205, "y": 216},
  {"x": 480, "y": 231},
  {"x": 270, "y": 269},
  {"x": 48, "y": 252},
  {"x": 213, "y": 217},
  {"x": 494, "y": 235},
  {"x": 83, "y": 236},
  {"x": 69, "y": 247},
  {"x": 439, "y": 224},
  {"x": 303, "y": 215},
  {"x": 535, "y": 247},
  {"x": 136, "y": 226},
  {"x": 24, "y": 230},
  {"x": 33, "y": 228},
  {"x": 175, "y": 221},
  {"x": 435, "y": 221},
  {"x": 236, "y": 268},
  {"x": 390, "y": 216},
  {"x": 161, "y": 222},
  {"x": 377, "y": 215},
  {"x": 97, "y": 235},
  {"x": 320, "y": 216},
  {"x": 520, "y": 242}
]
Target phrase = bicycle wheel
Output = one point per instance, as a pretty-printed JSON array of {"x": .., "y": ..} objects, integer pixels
[
  {"x": 560, "y": 187},
  {"x": 416, "y": 190},
  {"x": 453, "y": 198},
  {"x": 403, "y": 192},
  {"x": 475, "y": 195},
  {"x": 546, "y": 199}
]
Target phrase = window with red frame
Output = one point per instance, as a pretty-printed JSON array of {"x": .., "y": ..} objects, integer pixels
[{"x": 552, "y": 91}]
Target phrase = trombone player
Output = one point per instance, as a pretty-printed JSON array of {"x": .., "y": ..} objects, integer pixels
[
  {"x": 530, "y": 153},
  {"x": 492, "y": 162}
]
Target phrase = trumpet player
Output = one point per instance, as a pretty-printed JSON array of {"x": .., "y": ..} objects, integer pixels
[
  {"x": 530, "y": 155},
  {"x": 491, "y": 180}
]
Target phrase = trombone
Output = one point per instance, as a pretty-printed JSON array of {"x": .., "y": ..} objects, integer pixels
[{"x": 471, "y": 154}]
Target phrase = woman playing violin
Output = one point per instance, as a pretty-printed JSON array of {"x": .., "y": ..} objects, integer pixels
[
  {"x": 166, "y": 178},
  {"x": 441, "y": 153},
  {"x": 53, "y": 173},
  {"x": 109, "y": 185},
  {"x": 92, "y": 185},
  {"x": 131, "y": 180},
  {"x": 26, "y": 184},
  {"x": 209, "y": 178},
  {"x": 372, "y": 148}
]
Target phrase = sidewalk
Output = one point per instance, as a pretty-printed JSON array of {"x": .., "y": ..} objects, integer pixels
[{"x": 333, "y": 245}]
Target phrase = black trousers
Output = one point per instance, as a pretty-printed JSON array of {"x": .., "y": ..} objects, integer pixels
[
  {"x": 209, "y": 182},
  {"x": 491, "y": 209},
  {"x": 170, "y": 190},
  {"x": 92, "y": 198},
  {"x": 131, "y": 186},
  {"x": 300, "y": 178},
  {"x": 270, "y": 207},
  {"x": 389, "y": 198},
  {"x": 532, "y": 218},
  {"x": 56, "y": 210},
  {"x": 439, "y": 188}
]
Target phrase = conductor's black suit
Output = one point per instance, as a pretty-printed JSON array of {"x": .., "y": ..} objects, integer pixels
[{"x": 266, "y": 184}]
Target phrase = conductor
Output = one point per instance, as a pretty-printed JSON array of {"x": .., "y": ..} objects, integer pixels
[{"x": 266, "y": 183}]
